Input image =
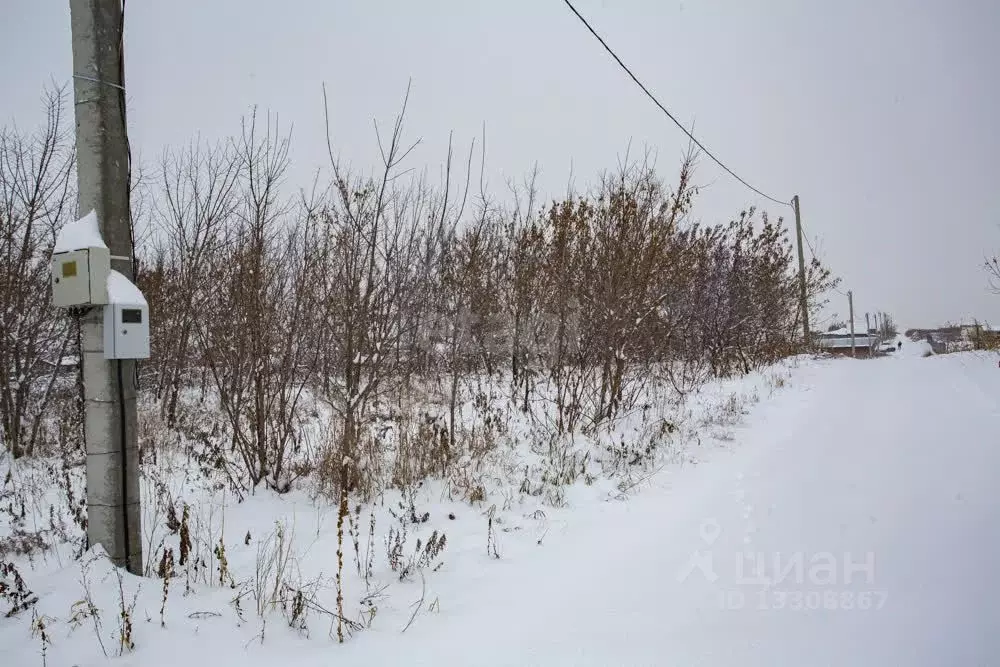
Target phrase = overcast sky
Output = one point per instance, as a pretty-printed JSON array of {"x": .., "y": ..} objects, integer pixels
[{"x": 880, "y": 114}]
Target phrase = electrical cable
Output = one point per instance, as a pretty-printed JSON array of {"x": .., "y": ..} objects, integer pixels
[
  {"x": 123, "y": 433},
  {"x": 128, "y": 145},
  {"x": 666, "y": 111},
  {"x": 812, "y": 252},
  {"x": 133, "y": 263},
  {"x": 808, "y": 242},
  {"x": 134, "y": 277}
]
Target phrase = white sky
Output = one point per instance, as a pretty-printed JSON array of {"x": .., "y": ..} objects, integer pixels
[{"x": 879, "y": 113}]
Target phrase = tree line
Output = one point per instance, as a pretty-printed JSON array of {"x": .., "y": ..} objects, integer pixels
[{"x": 364, "y": 287}]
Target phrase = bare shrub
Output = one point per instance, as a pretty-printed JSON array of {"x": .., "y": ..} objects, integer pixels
[
  {"x": 258, "y": 356},
  {"x": 14, "y": 592},
  {"x": 383, "y": 319},
  {"x": 35, "y": 199}
]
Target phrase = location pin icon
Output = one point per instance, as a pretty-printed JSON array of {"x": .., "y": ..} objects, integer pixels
[{"x": 709, "y": 531}]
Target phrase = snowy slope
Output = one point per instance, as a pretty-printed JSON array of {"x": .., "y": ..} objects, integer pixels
[
  {"x": 878, "y": 469},
  {"x": 884, "y": 462}
]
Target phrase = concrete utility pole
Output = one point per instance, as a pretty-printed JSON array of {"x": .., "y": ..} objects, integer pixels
[
  {"x": 850, "y": 307},
  {"x": 803, "y": 299},
  {"x": 868, "y": 332},
  {"x": 113, "y": 513}
]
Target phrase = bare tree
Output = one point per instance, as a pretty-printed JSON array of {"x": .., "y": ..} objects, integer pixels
[
  {"x": 35, "y": 195},
  {"x": 524, "y": 258},
  {"x": 377, "y": 231},
  {"x": 992, "y": 266},
  {"x": 260, "y": 315},
  {"x": 636, "y": 224},
  {"x": 198, "y": 203}
]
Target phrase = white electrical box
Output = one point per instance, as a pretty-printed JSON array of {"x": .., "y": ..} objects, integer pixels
[
  {"x": 126, "y": 320},
  {"x": 81, "y": 263}
]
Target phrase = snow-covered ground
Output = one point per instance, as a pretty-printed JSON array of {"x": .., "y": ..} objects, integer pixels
[
  {"x": 849, "y": 519},
  {"x": 877, "y": 476}
]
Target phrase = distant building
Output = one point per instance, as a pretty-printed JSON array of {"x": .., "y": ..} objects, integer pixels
[{"x": 865, "y": 343}]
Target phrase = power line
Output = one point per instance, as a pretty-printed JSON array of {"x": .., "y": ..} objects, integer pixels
[
  {"x": 664, "y": 109},
  {"x": 812, "y": 252},
  {"x": 808, "y": 244}
]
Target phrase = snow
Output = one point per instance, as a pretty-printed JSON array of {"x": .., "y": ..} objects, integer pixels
[
  {"x": 925, "y": 517},
  {"x": 911, "y": 348},
  {"x": 121, "y": 290},
  {"x": 897, "y": 532},
  {"x": 80, "y": 234}
]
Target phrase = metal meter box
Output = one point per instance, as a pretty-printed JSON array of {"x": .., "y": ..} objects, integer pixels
[
  {"x": 80, "y": 265},
  {"x": 78, "y": 277},
  {"x": 126, "y": 320}
]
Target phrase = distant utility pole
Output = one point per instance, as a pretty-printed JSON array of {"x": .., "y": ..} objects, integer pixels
[
  {"x": 850, "y": 306},
  {"x": 803, "y": 299},
  {"x": 113, "y": 514},
  {"x": 868, "y": 332}
]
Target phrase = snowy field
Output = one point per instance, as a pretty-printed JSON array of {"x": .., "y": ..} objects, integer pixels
[{"x": 824, "y": 512}]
